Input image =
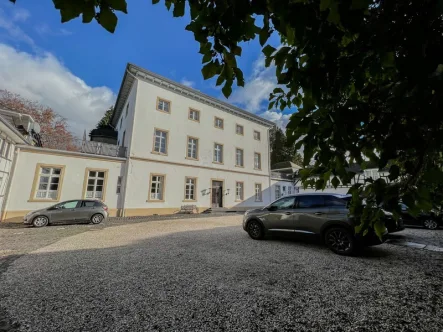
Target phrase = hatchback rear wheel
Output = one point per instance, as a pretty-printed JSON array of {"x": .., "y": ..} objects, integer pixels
[
  {"x": 340, "y": 240},
  {"x": 97, "y": 218},
  {"x": 430, "y": 224},
  {"x": 255, "y": 230}
]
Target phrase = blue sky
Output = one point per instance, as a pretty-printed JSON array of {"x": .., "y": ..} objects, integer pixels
[{"x": 77, "y": 68}]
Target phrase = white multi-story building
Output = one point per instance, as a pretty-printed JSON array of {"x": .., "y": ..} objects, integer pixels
[
  {"x": 178, "y": 147},
  {"x": 185, "y": 147}
]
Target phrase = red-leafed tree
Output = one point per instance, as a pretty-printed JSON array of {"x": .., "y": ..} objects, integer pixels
[{"x": 54, "y": 128}]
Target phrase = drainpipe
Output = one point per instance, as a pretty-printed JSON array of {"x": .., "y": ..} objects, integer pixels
[
  {"x": 269, "y": 165},
  {"x": 10, "y": 179}
]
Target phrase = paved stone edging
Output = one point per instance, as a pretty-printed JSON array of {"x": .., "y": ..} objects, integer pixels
[{"x": 415, "y": 245}]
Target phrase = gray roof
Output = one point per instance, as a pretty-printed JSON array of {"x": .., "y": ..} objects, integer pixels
[{"x": 133, "y": 72}]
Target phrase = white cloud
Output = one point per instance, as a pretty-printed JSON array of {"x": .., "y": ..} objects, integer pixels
[
  {"x": 20, "y": 15},
  {"x": 254, "y": 95},
  {"x": 44, "y": 79},
  {"x": 14, "y": 32},
  {"x": 277, "y": 117},
  {"x": 187, "y": 82},
  {"x": 44, "y": 29}
]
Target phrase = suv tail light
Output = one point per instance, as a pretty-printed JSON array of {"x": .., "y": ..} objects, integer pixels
[{"x": 105, "y": 208}]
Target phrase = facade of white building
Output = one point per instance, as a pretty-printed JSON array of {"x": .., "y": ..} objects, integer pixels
[{"x": 181, "y": 147}]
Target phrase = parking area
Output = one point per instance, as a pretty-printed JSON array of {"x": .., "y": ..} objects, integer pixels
[{"x": 206, "y": 274}]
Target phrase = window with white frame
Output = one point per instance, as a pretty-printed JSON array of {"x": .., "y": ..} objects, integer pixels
[
  {"x": 374, "y": 173},
  {"x": 194, "y": 115},
  {"x": 257, "y": 160},
  {"x": 127, "y": 110},
  {"x": 190, "y": 187},
  {"x": 48, "y": 183},
  {"x": 277, "y": 192},
  {"x": 239, "y": 158},
  {"x": 160, "y": 141},
  {"x": 218, "y": 123},
  {"x": 119, "y": 184},
  {"x": 257, "y": 135},
  {"x": 3, "y": 147},
  {"x": 218, "y": 153},
  {"x": 163, "y": 105},
  {"x": 258, "y": 193},
  {"x": 8, "y": 149},
  {"x": 239, "y": 191},
  {"x": 157, "y": 187},
  {"x": 121, "y": 121},
  {"x": 239, "y": 129},
  {"x": 289, "y": 190},
  {"x": 192, "y": 148},
  {"x": 96, "y": 184},
  {"x": 284, "y": 191}
]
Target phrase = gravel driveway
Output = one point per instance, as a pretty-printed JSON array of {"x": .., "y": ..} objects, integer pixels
[{"x": 207, "y": 275}]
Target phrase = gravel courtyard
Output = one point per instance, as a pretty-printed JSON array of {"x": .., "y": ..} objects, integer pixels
[{"x": 206, "y": 274}]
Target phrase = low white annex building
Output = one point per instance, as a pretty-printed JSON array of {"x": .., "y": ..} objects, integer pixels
[{"x": 177, "y": 146}]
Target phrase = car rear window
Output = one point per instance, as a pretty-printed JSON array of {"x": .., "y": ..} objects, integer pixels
[
  {"x": 310, "y": 201},
  {"x": 88, "y": 204},
  {"x": 334, "y": 201}
]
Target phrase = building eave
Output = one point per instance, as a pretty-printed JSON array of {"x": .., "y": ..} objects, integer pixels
[{"x": 132, "y": 72}]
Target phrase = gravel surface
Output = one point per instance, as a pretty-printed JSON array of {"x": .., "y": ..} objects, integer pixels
[{"x": 207, "y": 275}]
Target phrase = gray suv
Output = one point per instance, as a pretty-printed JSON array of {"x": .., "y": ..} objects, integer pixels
[
  {"x": 79, "y": 210},
  {"x": 317, "y": 213}
]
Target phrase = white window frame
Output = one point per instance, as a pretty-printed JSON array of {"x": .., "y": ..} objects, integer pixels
[
  {"x": 119, "y": 184},
  {"x": 239, "y": 157},
  {"x": 218, "y": 153},
  {"x": 277, "y": 191},
  {"x": 190, "y": 188},
  {"x": 289, "y": 190},
  {"x": 257, "y": 161},
  {"x": 127, "y": 110},
  {"x": 219, "y": 122},
  {"x": 257, "y": 135},
  {"x": 239, "y": 191},
  {"x": 93, "y": 180},
  {"x": 54, "y": 172},
  {"x": 157, "y": 146},
  {"x": 163, "y": 105},
  {"x": 194, "y": 115},
  {"x": 258, "y": 192},
  {"x": 241, "y": 131},
  {"x": 192, "y": 148},
  {"x": 157, "y": 182}
]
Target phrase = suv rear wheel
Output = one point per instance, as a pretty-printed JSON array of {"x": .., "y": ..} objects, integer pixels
[
  {"x": 430, "y": 224},
  {"x": 340, "y": 240},
  {"x": 255, "y": 230}
]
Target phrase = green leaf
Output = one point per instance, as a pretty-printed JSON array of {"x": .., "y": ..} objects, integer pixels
[
  {"x": 379, "y": 228},
  {"x": 154, "y": 2},
  {"x": 227, "y": 89},
  {"x": 236, "y": 50},
  {"x": 388, "y": 60},
  {"x": 220, "y": 78},
  {"x": 179, "y": 9},
  {"x": 107, "y": 19},
  {"x": 209, "y": 70},
  {"x": 68, "y": 9},
  {"x": 268, "y": 50},
  {"x": 335, "y": 182},
  {"x": 207, "y": 57},
  {"x": 263, "y": 35},
  {"x": 334, "y": 15},
  {"x": 88, "y": 12},
  {"x": 360, "y": 4},
  {"x": 394, "y": 172},
  {"x": 325, "y": 4},
  {"x": 119, "y": 5},
  {"x": 239, "y": 76}
]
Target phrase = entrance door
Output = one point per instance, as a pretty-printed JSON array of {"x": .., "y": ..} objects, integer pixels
[{"x": 217, "y": 194}]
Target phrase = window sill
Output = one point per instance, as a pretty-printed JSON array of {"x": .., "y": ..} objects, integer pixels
[
  {"x": 218, "y": 128},
  {"x": 198, "y": 121},
  {"x": 155, "y": 200},
  {"x": 239, "y": 166},
  {"x": 257, "y": 139},
  {"x": 218, "y": 163},
  {"x": 239, "y": 200},
  {"x": 260, "y": 201},
  {"x": 189, "y": 200},
  {"x": 159, "y": 153},
  {"x": 240, "y": 134},
  {"x": 164, "y": 111},
  {"x": 44, "y": 200},
  {"x": 257, "y": 169},
  {"x": 194, "y": 159}
]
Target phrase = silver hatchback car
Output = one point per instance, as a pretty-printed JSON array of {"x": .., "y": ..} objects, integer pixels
[
  {"x": 320, "y": 214},
  {"x": 80, "y": 210}
]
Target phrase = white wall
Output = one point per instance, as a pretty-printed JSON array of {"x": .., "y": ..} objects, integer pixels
[
  {"x": 139, "y": 179},
  {"x": 179, "y": 126},
  {"x": 126, "y": 121},
  {"x": 6, "y": 157},
  {"x": 72, "y": 188}
]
